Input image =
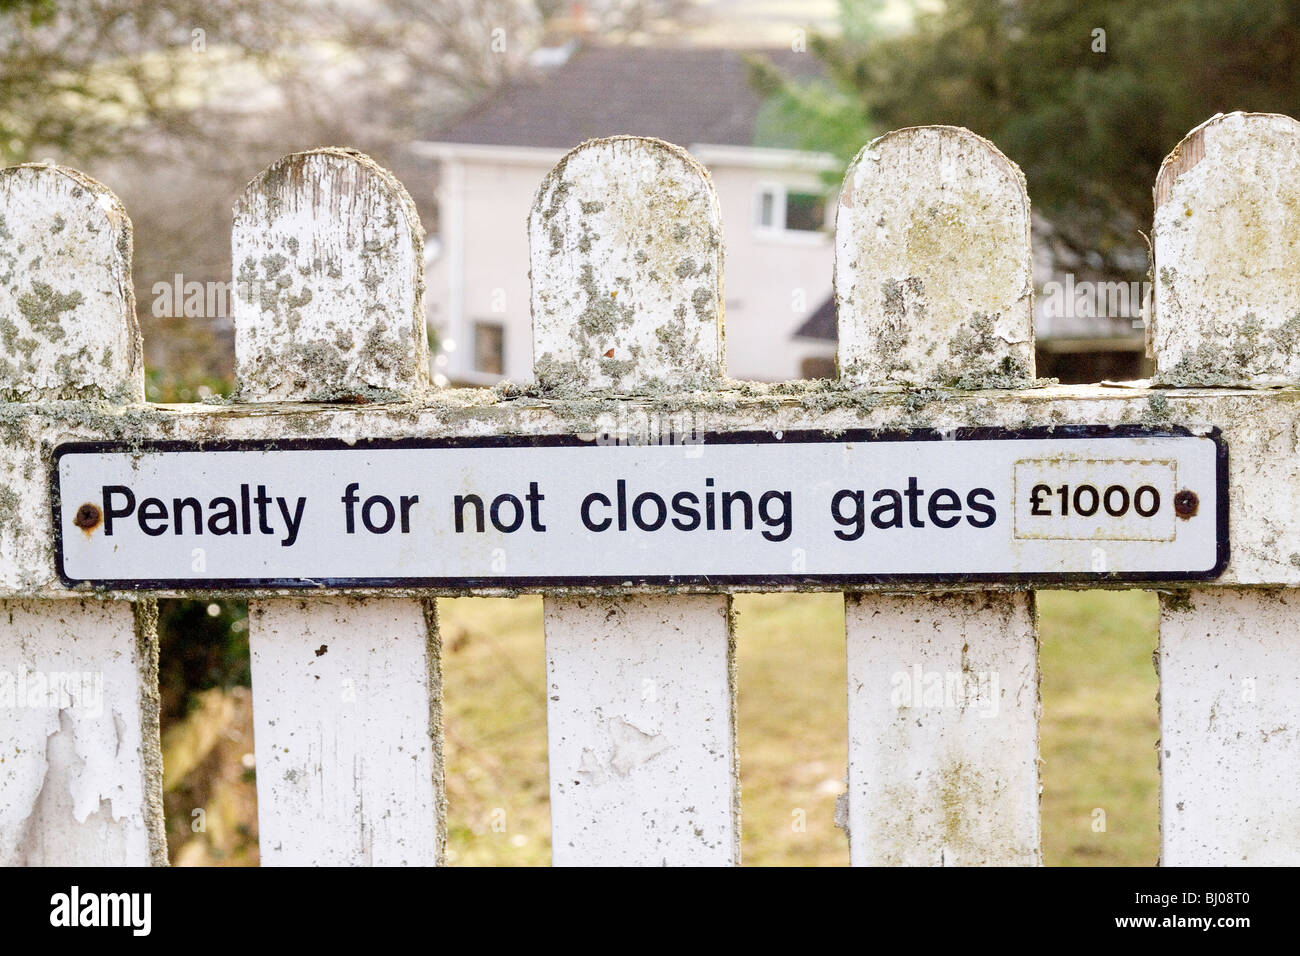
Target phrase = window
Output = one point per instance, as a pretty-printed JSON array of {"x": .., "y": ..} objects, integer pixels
[
  {"x": 782, "y": 210},
  {"x": 805, "y": 212},
  {"x": 490, "y": 348}
]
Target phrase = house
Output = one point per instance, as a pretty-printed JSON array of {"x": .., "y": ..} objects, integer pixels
[
  {"x": 775, "y": 201},
  {"x": 777, "y": 212}
]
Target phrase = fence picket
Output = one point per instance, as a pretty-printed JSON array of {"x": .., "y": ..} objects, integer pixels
[
  {"x": 933, "y": 288},
  {"x": 82, "y": 780},
  {"x": 626, "y": 250},
  {"x": 346, "y": 692},
  {"x": 933, "y": 292},
  {"x": 1225, "y": 243}
]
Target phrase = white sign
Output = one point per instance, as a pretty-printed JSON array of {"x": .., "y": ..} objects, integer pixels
[{"x": 1072, "y": 503}]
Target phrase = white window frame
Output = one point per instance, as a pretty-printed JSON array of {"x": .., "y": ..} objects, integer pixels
[{"x": 777, "y": 230}]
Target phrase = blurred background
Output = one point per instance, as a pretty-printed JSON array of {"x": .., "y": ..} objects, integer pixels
[{"x": 176, "y": 104}]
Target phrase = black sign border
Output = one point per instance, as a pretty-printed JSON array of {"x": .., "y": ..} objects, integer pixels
[{"x": 598, "y": 582}]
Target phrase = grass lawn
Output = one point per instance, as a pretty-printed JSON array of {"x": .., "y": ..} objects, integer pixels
[{"x": 1099, "y": 729}]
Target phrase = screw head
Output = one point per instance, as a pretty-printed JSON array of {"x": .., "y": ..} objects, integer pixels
[
  {"x": 1186, "y": 503},
  {"x": 88, "y": 517}
]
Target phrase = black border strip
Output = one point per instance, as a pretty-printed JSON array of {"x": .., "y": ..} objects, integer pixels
[{"x": 820, "y": 582}]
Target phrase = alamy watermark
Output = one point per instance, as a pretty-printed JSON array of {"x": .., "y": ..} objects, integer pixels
[
  {"x": 181, "y": 299},
  {"x": 75, "y": 908},
  {"x": 1094, "y": 300},
  {"x": 921, "y": 688},
  {"x": 620, "y": 428},
  {"x": 79, "y": 691}
]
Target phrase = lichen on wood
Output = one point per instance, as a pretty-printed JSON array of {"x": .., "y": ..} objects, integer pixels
[
  {"x": 1226, "y": 251},
  {"x": 328, "y": 253},
  {"x": 626, "y": 251},
  {"x": 67, "y": 309},
  {"x": 933, "y": 283}
]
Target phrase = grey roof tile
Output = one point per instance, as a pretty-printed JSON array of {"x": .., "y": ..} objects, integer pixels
[{"x": 682, "y": 95}]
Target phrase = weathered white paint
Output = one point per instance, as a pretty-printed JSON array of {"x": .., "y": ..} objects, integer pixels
[
  {"x": 327, "y": 256},
  {"x": 67, "y": 331},
  {"x": 346, "y": 697},
  {"x": 626, "y": 245},
  {"x": 1227, "y": 244},
  {"x": 360, "y": 780},
  {"x": 943, "y": 730},
  {"x": 1229, "y": 728},
  {"x": 1260, "y": 427},
  {"x": 641, "y": 731},
  {"x": 67, "y": 309},
  {"x": 933, "y": 284},
  {"x": 81, "y": 780},
  {"x": 627, "y": 256},
  {"x": 945, "y": 785},
  {"x": 82, "y": 776},
  {"x": 1227, "y": 312},
  {"x": 933, "y": 270}
]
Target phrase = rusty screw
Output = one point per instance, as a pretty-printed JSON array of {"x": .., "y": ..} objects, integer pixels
[
  {"x": 88, "y": 517},
  {"x": 1186, "y": 504}
]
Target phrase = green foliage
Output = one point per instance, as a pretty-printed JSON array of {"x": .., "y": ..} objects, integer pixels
[
  {"x": 1088, "y": 125},
  {"x": 164, "y": 387},
  {"x": 807, "y": 115},
  {"x": 202, "y": 644},
  {"x": 34, "y": 12}
]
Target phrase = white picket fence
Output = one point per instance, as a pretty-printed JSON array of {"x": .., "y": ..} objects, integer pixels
[{"x": 933, "y": 287}]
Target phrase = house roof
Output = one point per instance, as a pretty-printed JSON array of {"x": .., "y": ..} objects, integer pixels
[
  {"x": 821, "y": 324},
  {"x": 683, "y": 95}
]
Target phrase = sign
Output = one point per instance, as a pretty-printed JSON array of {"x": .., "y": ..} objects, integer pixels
[{"x": 757, "y": 508}]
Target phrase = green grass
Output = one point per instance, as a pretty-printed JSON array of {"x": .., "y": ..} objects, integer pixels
[
  {"x": 494, "y": 725},
  {"x": 1099, "y": 727},
  {"x": 1098, "y": 730},
  {"x": 793, "y": 738}
]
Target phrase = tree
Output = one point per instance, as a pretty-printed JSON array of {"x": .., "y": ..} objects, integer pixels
[
  {"x": 1087, "y": 97},
  {"x": 176, "y": 104},
  {"x": 106, "y": 77}
]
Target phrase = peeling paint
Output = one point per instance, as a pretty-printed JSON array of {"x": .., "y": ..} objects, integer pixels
[
  {"x": 934, "y": 295},
  {"x": 88, "y": 791}
]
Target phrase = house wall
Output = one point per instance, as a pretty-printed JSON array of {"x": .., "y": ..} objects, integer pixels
[
  {"x": 774, "y": 281},
  {"x": 481, "y": 273}
]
